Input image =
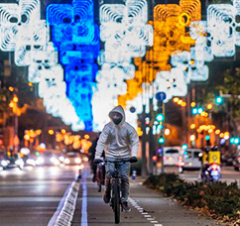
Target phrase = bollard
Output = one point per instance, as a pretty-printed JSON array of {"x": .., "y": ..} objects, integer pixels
[
  {"x": 134, "y": 172},
  {"x": 80, "y": 174}
]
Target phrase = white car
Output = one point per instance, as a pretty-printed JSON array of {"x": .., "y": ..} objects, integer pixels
[
  {"x": 72, "y": 158},
  {"x": 172, "y": 156},
  {"x": 190, "y": 159}
]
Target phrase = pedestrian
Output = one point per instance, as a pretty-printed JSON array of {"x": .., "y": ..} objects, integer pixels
[{"x": 120, "y": 141}]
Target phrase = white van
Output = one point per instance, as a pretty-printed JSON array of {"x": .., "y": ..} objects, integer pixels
[
  {"x": 172, "y": 155},
  {"x": 190, "y": 159}
]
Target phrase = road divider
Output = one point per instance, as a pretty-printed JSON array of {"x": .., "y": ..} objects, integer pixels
[{"x": 66, "y": 208}]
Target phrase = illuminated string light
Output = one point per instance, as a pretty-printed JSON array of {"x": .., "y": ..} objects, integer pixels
[{"x": 16, "y": 16}]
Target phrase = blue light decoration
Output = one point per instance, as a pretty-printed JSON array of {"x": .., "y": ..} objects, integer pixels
[{"x": 76, "y": 37}]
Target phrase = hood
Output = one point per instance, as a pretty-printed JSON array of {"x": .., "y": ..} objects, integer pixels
[{"x": 120, "y": 110}]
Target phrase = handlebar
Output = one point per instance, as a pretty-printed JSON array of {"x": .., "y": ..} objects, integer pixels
[{"x": 97, "y": 161}]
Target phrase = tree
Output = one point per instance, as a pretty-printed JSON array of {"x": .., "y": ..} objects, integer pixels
[{"x": 232, "y": 102}]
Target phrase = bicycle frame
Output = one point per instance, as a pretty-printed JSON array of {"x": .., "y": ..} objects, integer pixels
[{"x": 116, "y": 190}]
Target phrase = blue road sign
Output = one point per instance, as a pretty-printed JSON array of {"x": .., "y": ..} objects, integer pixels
[{"x": 161, "y": 96}]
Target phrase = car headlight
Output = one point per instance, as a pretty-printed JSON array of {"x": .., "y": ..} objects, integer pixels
[
  {"x": 30, "y": 162},
  {"x": 39, "y": 161},
  {"x": 55, "y": 161},
  {"x": 61, "y": 159},
  {"x": 66, "y": 161},
  {"x": 78, "y": 160},
  {"x": 19, "y": 162},
  {"x": 4, "y": 163}
]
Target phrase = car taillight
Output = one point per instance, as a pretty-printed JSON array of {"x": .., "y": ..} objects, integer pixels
[
  {"x": 214, "y": 167},
  {"x": 180, "y": 158}
]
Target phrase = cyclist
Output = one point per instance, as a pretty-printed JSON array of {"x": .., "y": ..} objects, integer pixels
[
  {"x": 92, "y": 151},
  {"x": 119, "y": 141}
]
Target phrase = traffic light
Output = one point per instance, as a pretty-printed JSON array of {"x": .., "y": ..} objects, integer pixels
[
  {"x": 194, "y": 111},
  {"x": 197, "y": 110},
  {"x": 160, "y": 117},
  {"x": 207, "y": 137},
  {"x": 161, "y": 140},
  {"x": 219, "y": 100},
  {"x": 184, "y": 146}
]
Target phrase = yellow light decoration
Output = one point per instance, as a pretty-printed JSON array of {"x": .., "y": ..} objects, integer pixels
[
  {"x": 15, "y": 99},
  {"x": 26, "y": 137},
  {"x": 217, "y": 131},
  {"x": 11, "y": 104},
  {"x": 192, "y": 138},
  {"x": 11, "y": 89},
  {"x": 221, "y": 135},
  {"x": 184, "y": 104},
  {"x": 192, "y": 126},
  {"x": 86, "y": 136},
  {"x": 180, "y": 102},
  {"x": 175, "y": 99},
  {"x": 63, "y": 131},
  {"x": 59, "y": 137},
  {"x": 210, "y": 130},
  {"x": 209, "y": 106},
  {"x": 193, "y": 104},
  {"x": 50, "y": 132},
  {"x": 226, "y": 134},
  {"x": 139, "y": 131}
]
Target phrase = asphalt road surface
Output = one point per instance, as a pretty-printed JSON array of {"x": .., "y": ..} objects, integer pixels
[{"x": 30, "y": 197}]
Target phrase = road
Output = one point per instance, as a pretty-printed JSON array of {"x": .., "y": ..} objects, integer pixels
[
  {"x": 228, "y": 174},
  {"x": 31, "y": 197}
]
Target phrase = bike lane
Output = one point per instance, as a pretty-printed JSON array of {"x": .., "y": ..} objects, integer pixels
[{"x": 148, "y": 208}]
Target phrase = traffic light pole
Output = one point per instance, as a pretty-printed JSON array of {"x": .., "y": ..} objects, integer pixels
[{"x": 143, "y": 128}]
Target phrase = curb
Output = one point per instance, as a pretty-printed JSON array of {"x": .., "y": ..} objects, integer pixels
[{"x": 65, "y": 212}]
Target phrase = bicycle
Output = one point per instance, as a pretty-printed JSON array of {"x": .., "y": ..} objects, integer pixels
[
  {"x": 100, "y": 175},
  {"x": 115, "y": 182}
]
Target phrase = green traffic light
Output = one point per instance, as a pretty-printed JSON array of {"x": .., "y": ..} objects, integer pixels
[
  {"x": 207, "y": 137},
  {"x": 160, "y": 117},
  {"x": 161, "y": 140},
  {"x": 219, "y": 100}
]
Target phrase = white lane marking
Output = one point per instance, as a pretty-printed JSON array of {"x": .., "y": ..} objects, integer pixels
[
  {"x": 84, "y": 220},
  {"x": 145, "y": 214},
  {"x": 59, "y": 208}
]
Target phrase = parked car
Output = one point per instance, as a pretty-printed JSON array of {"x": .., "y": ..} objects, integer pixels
[
  {"x": 14, "y": 161},
  {"x": 172, "y": 155},
  {"x": 190, "y": 159}
]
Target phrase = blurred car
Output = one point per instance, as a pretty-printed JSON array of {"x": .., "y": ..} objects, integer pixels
[
  {"x": 48, "y": 159},
  {"x": 14, "y": 161},
  {"x": 190, "y": 159},
  {"x": 172, "y": 155},
  {"x": 29, "y": 160},
  {"x": 236, "y": 162},
  {"x": 72, "y": 158},
  {"x": 227, "y": 159}
]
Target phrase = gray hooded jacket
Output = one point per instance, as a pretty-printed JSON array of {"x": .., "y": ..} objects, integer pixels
[{"x": 118, "y": 141}]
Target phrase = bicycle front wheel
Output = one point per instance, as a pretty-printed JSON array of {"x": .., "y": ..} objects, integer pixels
[{"x": 116, "y": 200}]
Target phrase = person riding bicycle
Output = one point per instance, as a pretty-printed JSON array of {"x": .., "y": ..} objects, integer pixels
[{"x": 120, "y": 141}]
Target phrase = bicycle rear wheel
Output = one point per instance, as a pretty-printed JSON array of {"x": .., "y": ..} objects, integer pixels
[{"x": 116, "y": 202}]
